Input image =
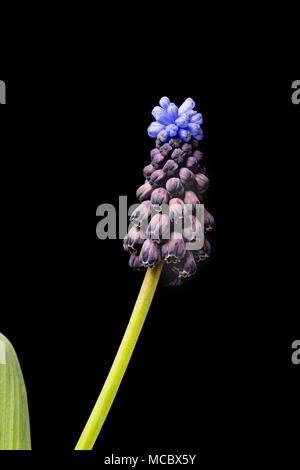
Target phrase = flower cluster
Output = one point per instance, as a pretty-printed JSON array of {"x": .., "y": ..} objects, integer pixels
[
  {"x": 167, "y": 221},
  {"x": 170, "y": 121}
]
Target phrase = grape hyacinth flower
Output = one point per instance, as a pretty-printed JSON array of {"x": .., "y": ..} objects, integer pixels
[
  {"x": 192, "y": 229},
  {"x": 157, "y": 179},
  {"x": 150, "y": 255},
  {"x": 202, "y": 183},
  {"x": 204, "y": 253},
  {"x": 166, "y": 229},
  {"x": 141, "y": 213},
  {"x": 159, "y": 228},
  {"x": 144, "y": 192},
  {"x": 134, "y": 239},
  {"x": 134, "y": 261},
  {"x": 178, "y": 156},
  {"x": 174, "y": 250},
  {"x": 170, "y": 169},
  {"x": 176, "y": 211},
  {"x": 159, "y": 197},
  {"x": 147, "y": 171},
  {"x": 187, "y": 177},
  {"x": 191, "y": 199},
  {"x": 175, "y": 187},
  {"x": 187, "y": 267}
]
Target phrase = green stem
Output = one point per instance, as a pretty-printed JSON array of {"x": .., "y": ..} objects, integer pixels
[{"x": 118, "y": 369}]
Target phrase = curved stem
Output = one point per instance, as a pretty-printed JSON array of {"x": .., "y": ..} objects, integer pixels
[{"x": 118, "y": 369}]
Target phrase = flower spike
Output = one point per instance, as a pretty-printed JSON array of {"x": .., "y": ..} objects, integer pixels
[
  {"x": 164, "y": 230},
  {"x": 175, "y": 179}
]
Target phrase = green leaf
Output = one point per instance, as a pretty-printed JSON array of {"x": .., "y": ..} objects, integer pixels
[{"x": 14, "y": 415}]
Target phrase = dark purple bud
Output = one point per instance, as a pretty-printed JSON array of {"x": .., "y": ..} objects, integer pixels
[
  {"x": 150, "y": 255},
  {"x": 202, "y": 183},
  {"x": 147, "y": 171},
  {"x": 170, "y": 168},
  {"x": 174, "y": 187},
  {"x": 209, "y": 221},
  {"x": 158, "y": 143},
  {"x": 134, "y": 261},
  {"x": 202, "y": 169},
  {"x": 158, "y": 197},
  {"x": 192, "y": 230},
  {"x": 158, "y": 178},
  {"x": 159, "y": 228},
  {"x": 192, "y": 164},
  {"x": 187, "y": 267},
  {"x": 200, "y": 197},
  {"x": 178, "y": 156},
  {"x": 141, "y": 213},
  {"x": 191, "y": 199},
  {"x": 144, "y": 191},
  {"x": 177, "y": 282},
  {"x": 165, "y": 150},
  {"x": 186, "y": 177},
  {"x": 176, "y": 210},
  {"x": 134, "y": 239},
  {"x": 195, "y": 143},
  {"x": 158, "y": 161},
  {"x": 154, "y": 153},
  {"x": 198, "y": 155},
  {"x": 175, "y": 143},
  {"x": 173, "y": 250},
  {"x": 187, "y": 149},
  {"x": 204, "y": 253}
]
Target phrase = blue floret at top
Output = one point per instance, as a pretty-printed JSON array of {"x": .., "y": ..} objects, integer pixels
[{"x": 173, "y": 122}]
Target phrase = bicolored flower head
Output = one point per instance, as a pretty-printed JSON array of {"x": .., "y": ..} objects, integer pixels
[
  {"x": 150, "y": 255},
  {"x": 175, "y": 186},
  {"x": 173, "y": 122}
]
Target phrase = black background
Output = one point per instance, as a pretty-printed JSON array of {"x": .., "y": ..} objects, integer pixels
[{"x": 212, "y": 371}]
